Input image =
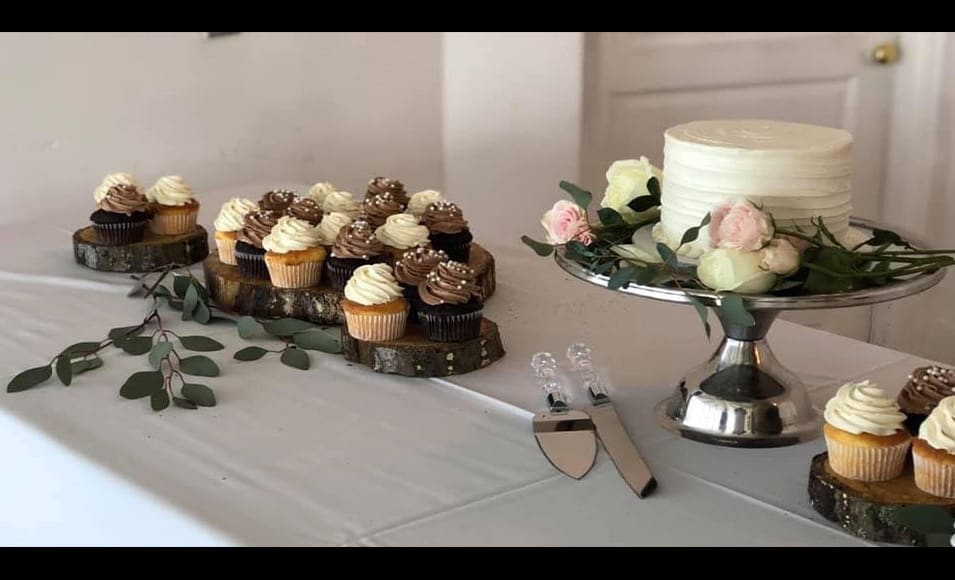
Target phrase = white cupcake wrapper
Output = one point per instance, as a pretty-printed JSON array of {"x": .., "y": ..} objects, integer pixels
[
  {"x": 304, "y": 275},
  {"x": 867, "y": 463},
  {"x": 934, "y": 477},
  {"x": 173, "y": 223},
  {"x": 227, "y": 251},
  {"x": 376, "y": 327}
]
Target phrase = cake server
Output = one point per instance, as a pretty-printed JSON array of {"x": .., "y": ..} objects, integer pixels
[
  {"x": 618, "y": 444},
  {"x": 564, "y": 435}
]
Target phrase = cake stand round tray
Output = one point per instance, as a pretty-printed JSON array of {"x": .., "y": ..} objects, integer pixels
[
  {"x": 153, "y": 252},
  {"x": 742, "y": 396}
]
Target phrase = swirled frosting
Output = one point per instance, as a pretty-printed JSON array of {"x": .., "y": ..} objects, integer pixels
[
  {"x": 402, "y": 231},
  {"x": 341, "y": 202},
  {"x": 376, "y": 210},
  {"x": 109, "y": 181},
  {"x": 420, "y": 201},
  {"x": 305, "y": 208},
  {"x": 331, "y": 224},
  {"x": 277, "y": 200},
  {"x": 372, "y": 284},
  {"x": 380, "y": 185},
  {"x": 449, "y": 283},
  {"x": 291, "y": 235},
  {"x": 256, "y": 225},
  {"x": 938, "y": 429},
  {"x": 123, "y": 198},
  {"x": 232, "y": 214},
  {"x": 444, "y": 217},
  {"x": 357, "y": 241},
  {"x": 415, "y": 265},
  {"x": 170, "y": 190},
  {"x": 864, "y": 408},
  {"x": 320, "y": 191},
  {"x": 926, "y": 387}
]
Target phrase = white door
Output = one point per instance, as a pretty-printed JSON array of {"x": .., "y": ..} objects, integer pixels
[{"x": 636, "y": 84}]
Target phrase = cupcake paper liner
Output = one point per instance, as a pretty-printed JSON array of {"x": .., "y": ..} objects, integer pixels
[
  {"x": 120, "y": 233},
  {"x": 226, "y": 251},
  {"x": 451, "y": 327},
  {"x": 376, "y": 327},
  {"x": 304, "y": 275},
  {"x": 934, "y": 477},
  {"x": 171, "y": 224},
  {"x": 867, "y": 463},
  {"x": 252, "y": 265},
  {"x": 339, "y": 270}
]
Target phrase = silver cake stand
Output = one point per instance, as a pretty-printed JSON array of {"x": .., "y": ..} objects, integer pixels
[{"x": 742, "y": 396}]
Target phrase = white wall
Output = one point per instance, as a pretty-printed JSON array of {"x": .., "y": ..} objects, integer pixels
[{"x": 252, "y": 108}]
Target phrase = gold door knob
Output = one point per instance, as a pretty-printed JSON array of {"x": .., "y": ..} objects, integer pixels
[{"x": 887, "y": 53}]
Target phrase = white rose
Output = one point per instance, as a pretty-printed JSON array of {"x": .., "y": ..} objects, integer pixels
[
  {"x": 779, "y": 257},
  {"x": 627, "y": 180},
  {"x": 726, "y": 270}
]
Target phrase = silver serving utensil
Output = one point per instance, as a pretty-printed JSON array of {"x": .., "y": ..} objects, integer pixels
[
  {"x": 618, "y": 444},
  {"x": 565, "y": 435}
]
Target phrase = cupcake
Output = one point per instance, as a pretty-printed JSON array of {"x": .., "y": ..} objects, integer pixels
[
  {"x": 926, "y": 387},
  {"x": 373, "y": 305},
  {"x": 121, "y": 215},
  {"x": 228, "y": 223},
  {"x": 305, "y": 209},
  {"x": 174, "y": 208},
  {"x": 449, "y": 230},
  {"x": 320, "y": 191},
  {"x": 341, "y": 202},
  {"x": 294, "y": 255},
  {"x": 865, "y": 434},
  {"x": 277, "y": 200},
  {"x": 331, "y": 224},
  {"x": 249, "y": 253},
  {"x": 419, "y": 202},
  {"x": 376, "y": 210},
  {"x": 400, "y": 233},
  {"x": 451, "y": 306},
  {"x": 934, "y": 451},
  {"x": 109, "y": 181},
  {"x": 380, "y": 185},
  {"x": 356, "y": 245},
  {"x": 412, "y": 269}
]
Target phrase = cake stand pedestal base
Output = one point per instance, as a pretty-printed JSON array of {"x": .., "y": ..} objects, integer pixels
[{"x": 153, "y": 252}]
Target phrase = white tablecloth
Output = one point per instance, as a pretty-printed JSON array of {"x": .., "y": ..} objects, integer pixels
[{"x": 339, "y": 455}]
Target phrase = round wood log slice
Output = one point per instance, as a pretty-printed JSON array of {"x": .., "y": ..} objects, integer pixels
[
  {"x": 865, "y": 509},
  {"x": 320, "y": 305},
  {"x": 414, "y": 356},
  {"x": 153, "y": 252}
]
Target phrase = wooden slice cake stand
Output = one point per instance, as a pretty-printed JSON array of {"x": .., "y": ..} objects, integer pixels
[
  {"x": 865, "y": 509},
  {"x": 153, "y": 252}
]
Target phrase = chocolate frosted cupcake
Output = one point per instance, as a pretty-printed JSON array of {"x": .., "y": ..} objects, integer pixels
[
  {"x": 926, "y": 387},
  {"x": 449, "y": 230},
  {"x": 121, "y": 215},
  {"x": 451, "y": 307},
  {"x": 380, "y": 185},
  {"x": 413, "y": 269},
  {"x": 306, "y": 209},
  {"x": 376, "y": 210},
  {"x": 249, "y": 253},
  {"x": 356, "y": 245},
  {"x": 277, "y": 200}
]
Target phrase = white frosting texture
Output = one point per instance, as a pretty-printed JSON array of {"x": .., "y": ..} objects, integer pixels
[
  {"x": 109, "y": 181},
  {"x": 233, "y": 213},
  {"x": 938, "y": 429},
  {"x": 170, "y": 190},
  {"x": 291, "y": 235},
  {"x": 341, "y": 202},
  {"x": 320, "y": 191},
  {"x": 419, "y": 202},
  {"x": 330, "y": 225},
  {"x": 402, "y": 231},
  {"x": 864, "y": 408},
  {"x": 372, "y": 284}
]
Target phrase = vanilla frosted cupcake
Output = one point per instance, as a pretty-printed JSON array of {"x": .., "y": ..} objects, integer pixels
[
  {"x": 374, "y": 307},
  {"x": 109, "y": 181},
  {"x": 320, "y": 191},
  {"x": 400, "y": 233},
  {"x": 865, "y": 433},
  {"x": 934, "y": 451},
  {"x": 294, "y": 255},
  {"x": 341, "y": 202},
  {"x": 419, "y": 202},
  {"x": 331, "y": 224},
  {"x": 228, "y": 223},
  {"x": 174, "y": 206}
]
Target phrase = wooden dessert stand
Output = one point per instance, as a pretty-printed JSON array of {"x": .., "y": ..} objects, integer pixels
[
  {"x": 153, "y": 252},
  {"x": 865, "y": 509}
]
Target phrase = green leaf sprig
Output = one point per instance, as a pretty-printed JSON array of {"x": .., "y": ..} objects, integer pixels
[{"x": 298, "y": 337}]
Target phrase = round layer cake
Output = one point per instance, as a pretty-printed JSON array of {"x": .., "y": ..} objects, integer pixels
[{"x": 793, "y": 171}]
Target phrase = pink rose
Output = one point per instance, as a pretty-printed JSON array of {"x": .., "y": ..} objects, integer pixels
[
  {"x": 567, "y": 221},
  {"x": 779, "y": 257},
  {"x": 739, "y": 226}
]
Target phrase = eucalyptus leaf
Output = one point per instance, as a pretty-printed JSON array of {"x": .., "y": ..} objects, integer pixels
[
  {"x": 161, "y": 291},
  {"x": 180, "y": 284},
  {"x": 668, "y": 256},
  {"x": 703, "y": 312},
  {"x": 286, "y": 326},
  {"x": 184, "y": 403},
  {"x": 158, "y": 352},
  {"x": 189, "y": 302},
  {"x": 200, "y": 343},
  {"x": 643, "y": 203},
  {"x": 540, "y": 248},
  {"x": 29, "y": 378},
  {"x": 604, "y": 268},
  {"x": 199, "y": 394},
  {"x": 80, "y": 349},
  {"x": 834, "y": 260},
  {"x": 317, "y": 340},
  {"x": 126, "y": 331},
  {"x": 86, "y": 365},
  {"x": 609, "y": 217},
  {"x": 247, "y": 326},
  {"x": 201, "y": 314},
  {"x": 250, "y": 353},
  {"x": 142, "y": 384},
  {"x": 295, "y": 358},
  {"x": 199, "y": 365},
  {"x": 653, "y": 186},
  {"x": 175, "y": 304},
  {"x": 159, "y": 400},
  {"x": 621, "y": 278},
  {"x": 693, "y": 233},
  {"x": 137, "y": 345},
  {"x": 580, "y": 196},
  {"x": 925, "y": 519},
  {"x": 734, "y": 310},
  {"x": 647, "y": 274},
  {"x": 64, "y": 369}
]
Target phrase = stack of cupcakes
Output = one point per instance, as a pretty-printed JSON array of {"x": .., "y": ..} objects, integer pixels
[{"x": 413, "y": 269}]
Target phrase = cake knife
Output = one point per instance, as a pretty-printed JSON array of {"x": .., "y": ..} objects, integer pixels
[{"x": 564, "y": 435}]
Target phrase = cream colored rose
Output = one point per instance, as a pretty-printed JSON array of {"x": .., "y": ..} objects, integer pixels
[
  {"x": 627, "y": 180},
  {"x": 779, "y": 257},
  {"x": 726, "y": 270}
]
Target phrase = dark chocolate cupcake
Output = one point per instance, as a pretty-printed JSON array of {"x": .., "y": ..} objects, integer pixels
[
  {"x": 277, "y": 200},
  {"x": 926, "y": 387},
  {"x": 380, "y": 185},
  {"x": 376, "y": 210},
  {"x": 413, "y": 269},
  {"x": 451, "y": 308},
  {"x": 449, "y": 230},
  {"x": 306, "y": 209},
  {"x": 356, "y": 245},
  {"x": 121, "y": 215},
  {"x": 249, "y": 254}
]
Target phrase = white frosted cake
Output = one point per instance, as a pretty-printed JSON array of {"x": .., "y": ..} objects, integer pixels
[{"x": 791, "y": 170}]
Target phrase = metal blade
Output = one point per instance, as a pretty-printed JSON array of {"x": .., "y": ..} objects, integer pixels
[
  {"x": 621, "y": 450},
  {"x": 567, "y": 440}
]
